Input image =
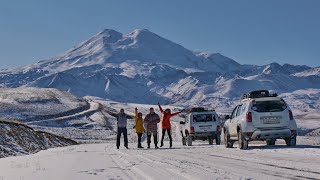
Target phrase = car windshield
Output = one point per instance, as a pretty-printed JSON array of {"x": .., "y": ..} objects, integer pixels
[
  {"x": 269, "y": 106},
  {"x": 202, "y": 118}
]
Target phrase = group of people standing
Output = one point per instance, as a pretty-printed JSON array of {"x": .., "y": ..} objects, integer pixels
[{"x": 147, "y": 125}]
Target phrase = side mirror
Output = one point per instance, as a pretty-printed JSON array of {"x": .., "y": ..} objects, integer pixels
[
  {"x": 227, "y": 117},
  {"x": 182, "y": 122}
]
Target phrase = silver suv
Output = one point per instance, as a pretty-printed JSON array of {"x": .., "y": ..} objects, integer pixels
[
  {"x": 200, "y": 124},
  {"x": 260, "y": 116}
]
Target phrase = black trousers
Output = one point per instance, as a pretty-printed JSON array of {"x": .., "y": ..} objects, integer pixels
[
  {"x": 122, "y": 130},
  {"x": 169, "y": 134},
  {"x": 139, "y": 139},
  {"x": 155, "y": 137}
]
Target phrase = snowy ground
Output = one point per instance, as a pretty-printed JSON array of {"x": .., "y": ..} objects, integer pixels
[{"x": 201, "y": 161}]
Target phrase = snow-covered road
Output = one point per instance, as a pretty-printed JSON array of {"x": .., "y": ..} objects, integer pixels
[
  {"x": 94, "y": 107},
  {"x": 104, "y": 161}
]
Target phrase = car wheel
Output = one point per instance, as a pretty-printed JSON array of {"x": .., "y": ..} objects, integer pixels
[
  {"x": 227, "y": 142},
  {"x": 218, "y": 139},
  {"x": 189, "y": 138},
  {"x": 210, "y": 140},
  {"x": 243, "y": 143},
  {"x": 291, "y": 141},
  {"x": 271, "y": 142}
]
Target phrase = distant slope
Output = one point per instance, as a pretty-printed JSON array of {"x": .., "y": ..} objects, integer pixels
[
  {"x": 310, "y": 72},
  {"x": 33, "y": 103},
  {"x": 58, "y": 112}
]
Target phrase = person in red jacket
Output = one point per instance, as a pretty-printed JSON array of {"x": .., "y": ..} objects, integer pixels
[{"x": 166, "y": 125}]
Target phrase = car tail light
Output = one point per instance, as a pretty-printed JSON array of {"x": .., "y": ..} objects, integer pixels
[
  {"x": 249, "y": 117},
  {"x": 218, "y": 128},
  {"x": 290, "y": 115},
  {"x": 192, "y": 129}
]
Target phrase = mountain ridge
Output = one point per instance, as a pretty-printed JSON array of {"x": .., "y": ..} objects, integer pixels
[{"x": 144, "y": 67}]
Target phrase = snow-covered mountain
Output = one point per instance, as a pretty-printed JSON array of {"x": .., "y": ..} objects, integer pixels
[{"x": 143, "y": 67}]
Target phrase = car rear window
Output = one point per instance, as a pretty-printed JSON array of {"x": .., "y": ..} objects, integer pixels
[
  {"x": 269, "y": 106},
  {"x": 203, "y": 118}
]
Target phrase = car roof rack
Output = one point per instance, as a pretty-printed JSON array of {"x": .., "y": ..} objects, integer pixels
[
  {"x": 258, "y": 94},
  {"x": 195, "y": 109}
]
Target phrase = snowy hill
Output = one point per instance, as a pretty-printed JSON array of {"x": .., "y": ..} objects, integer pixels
[
  {"x": 32, "y": 103},
  {"x": 143, "y": 67},
  {"x": 309, "y": 72},
  {"x": 46, "y": 109}
]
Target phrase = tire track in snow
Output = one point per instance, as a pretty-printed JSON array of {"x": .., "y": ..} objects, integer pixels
[
  {"x": 144, "y": 164},
  {"x": 241, "y": 164},
  {"x": 184, "y": 166},
  {"x": 165, "y": 166},
  {"x": 279, "y": 167},
  {"x": 183, "y": 169},
  {"x": 123, "y": 166},
  {"x": 271, "y": 165},
  {"x": 192, "y": 163}
]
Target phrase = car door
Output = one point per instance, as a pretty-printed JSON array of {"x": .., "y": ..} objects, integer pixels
[
  {"x": 238, "y": 117},
  {"x": 186, "y": 125},
  {"x": 233, "y": 122}
]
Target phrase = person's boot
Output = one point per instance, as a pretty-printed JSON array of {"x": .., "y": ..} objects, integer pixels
[
  {"x": 117, "y": 147},
  {"x": 170, "y": 144},
  {"x": 156, "y": 146},
  {"x": 161, "y": 144},
  {"x": 148, "y": 145}
]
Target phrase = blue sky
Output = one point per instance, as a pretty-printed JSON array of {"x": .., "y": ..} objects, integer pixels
[{"x": 251, "y": 32}]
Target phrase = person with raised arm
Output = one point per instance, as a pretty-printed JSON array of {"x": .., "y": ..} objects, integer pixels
[
  {"x": 138, "y": 126},
  {"x": 166, "y": 124}
]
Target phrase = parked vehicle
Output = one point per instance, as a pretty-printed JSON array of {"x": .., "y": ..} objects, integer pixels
[
  {"x": 260, "y": 116},
  {"x": 200, "y": 124}
]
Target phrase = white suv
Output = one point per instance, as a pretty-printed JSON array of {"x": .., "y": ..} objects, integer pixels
[
  {"x": 200, "y": 124},
  {"x": 260, "y": 116}
]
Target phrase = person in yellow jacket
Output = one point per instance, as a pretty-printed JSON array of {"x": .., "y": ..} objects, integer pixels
[{"x": 139, "y": 126}]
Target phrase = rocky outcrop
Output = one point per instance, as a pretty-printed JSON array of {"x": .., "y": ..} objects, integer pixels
[{"x": 19, "y": 139}]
